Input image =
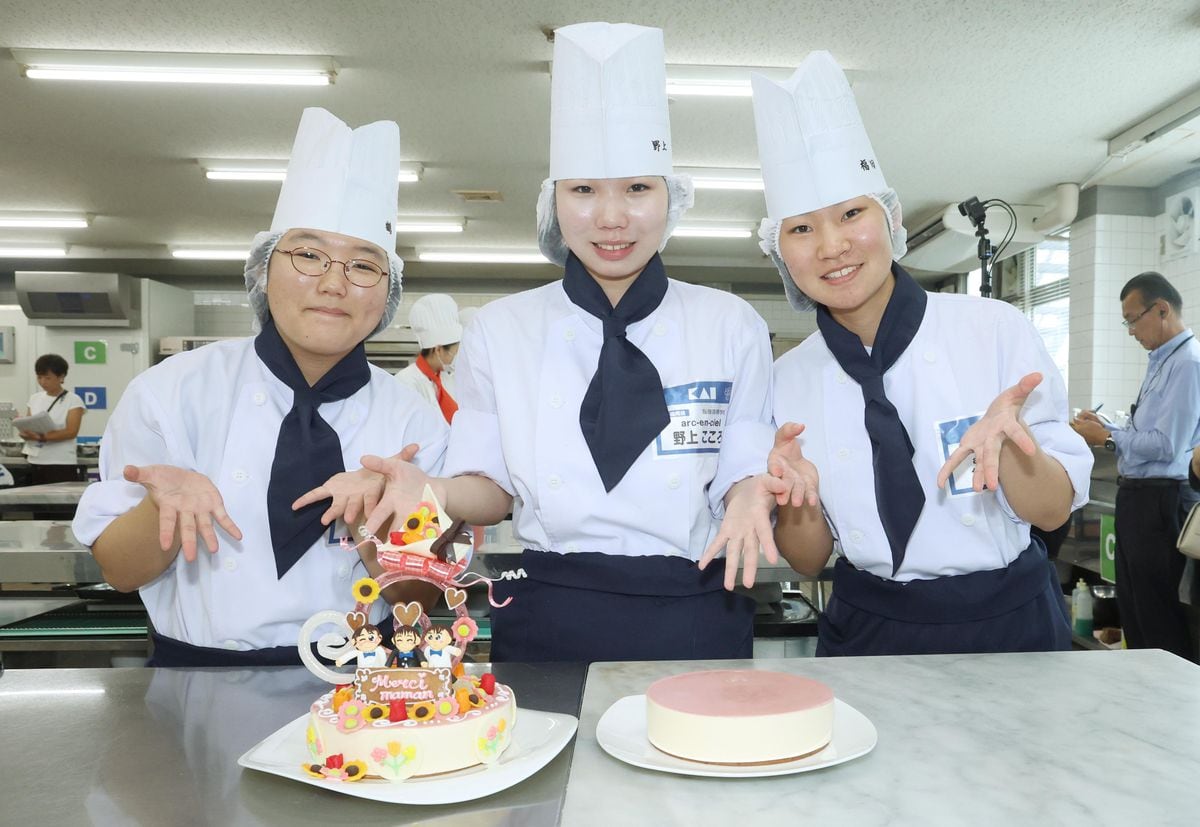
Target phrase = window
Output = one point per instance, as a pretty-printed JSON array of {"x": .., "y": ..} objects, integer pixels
[{"x": 1042, "y": 292}]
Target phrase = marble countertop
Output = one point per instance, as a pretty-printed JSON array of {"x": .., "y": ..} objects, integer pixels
[{"x": 1050, "y": 738}]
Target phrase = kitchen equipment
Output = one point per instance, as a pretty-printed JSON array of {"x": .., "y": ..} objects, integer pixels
[{"x": 1104, "y": 607}]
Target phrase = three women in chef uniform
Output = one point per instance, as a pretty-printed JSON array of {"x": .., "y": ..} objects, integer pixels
[
  {"x": 623, "y": 415},
  {"x": 897, "y": 393},
  {"x": 200, "y": 442}
]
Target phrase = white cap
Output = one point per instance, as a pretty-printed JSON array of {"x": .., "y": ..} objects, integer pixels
[
  {"x": 342, "y": 180},
  {"x": 608, "y": 102},
  {"x": 812, "y": 145},
  {"x": 434, "y": 318}
]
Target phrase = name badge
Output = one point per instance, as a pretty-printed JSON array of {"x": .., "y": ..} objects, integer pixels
[
  {"x": 950, "y": 434},
  {"x": 697, "y": 415}
]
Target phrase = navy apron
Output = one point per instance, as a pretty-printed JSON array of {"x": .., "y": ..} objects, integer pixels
[
  {"x": 1015, "y": 609},
  {"x": 169, "y": 652},
  {"x": 588, "y": 606}
]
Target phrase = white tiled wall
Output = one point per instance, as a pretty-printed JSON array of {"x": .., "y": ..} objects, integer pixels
[{"x": 1107, "y": 364}]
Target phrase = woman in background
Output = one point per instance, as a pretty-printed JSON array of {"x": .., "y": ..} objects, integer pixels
[{"x": 52, "y": 453}]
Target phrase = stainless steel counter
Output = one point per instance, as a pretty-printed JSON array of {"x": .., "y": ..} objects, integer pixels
[
  {"x": 44, "y": 551},
  {"x": 160, "y": 747},
  {"x": 54, "y": 493}
]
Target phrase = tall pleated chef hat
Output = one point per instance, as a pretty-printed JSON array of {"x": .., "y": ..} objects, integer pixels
[
  {"x": 608, "y": 102},
  {"x": 812, "y": 145},
  {"x": 342, "y": 180}
]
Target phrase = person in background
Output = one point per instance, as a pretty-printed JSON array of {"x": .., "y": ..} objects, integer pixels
[
  {"x": 52, "y": 454},
  {"x": 434, "y": 319},
  {"x": 623, "y": 416},
  {"x": 1194, "y": 469},
  {"x": 880, "y": 410},
  {"x": 1152, "y": 448},
  {"x": 259, "y": 439}
]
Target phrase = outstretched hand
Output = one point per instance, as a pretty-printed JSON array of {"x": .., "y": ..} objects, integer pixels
[
  {"x": 786, "y": 462},
  {"x": 354, "y": 493},
  {"x": 404, "y": 484},
  {"x": 985, "y": 439},
  {"x": 187, "y": 499},
  {"x": 747, "y": 528}
]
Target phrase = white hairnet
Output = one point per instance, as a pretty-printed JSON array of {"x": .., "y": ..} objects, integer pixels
[
  {"x": 768, "y": 242},
  {"x": 681, "y": 195},
  {"x": 256, "y": 280}
]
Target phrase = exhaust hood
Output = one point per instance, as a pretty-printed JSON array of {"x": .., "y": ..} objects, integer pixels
[{"x": 65, "y": 299}]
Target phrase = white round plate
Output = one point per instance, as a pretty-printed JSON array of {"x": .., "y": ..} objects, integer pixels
[
  {"x": 536, "y": 739},
  {"x": 622, "y": 734}
]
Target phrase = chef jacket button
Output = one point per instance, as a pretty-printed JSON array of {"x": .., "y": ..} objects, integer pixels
[
  {"x": 230, "y": 564},
  {"x": 673, "y": 481},
  {"x": 343, "y": 572},
  {"x": 555, "y": 482},
  {"x": 930, "y": 356},
  {"x": 660, "y": 329},
  {"x": 354, "y": 417},
  {"x": 856, "y": 536},
  {"x": 843, "y": 453},
  {"x": 240, "y": 476},
  {"x": 968, "y": 519},
  {"x": 232, "y": 644},
  {"x": 260, "y": 398},
  {"x": 569, "y": 334},
  {"x": 556, "y": 401},
  {"x": 842, "y": 379},
  {"x": 572, "y": 548}
]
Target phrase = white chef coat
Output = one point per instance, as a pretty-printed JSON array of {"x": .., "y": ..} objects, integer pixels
[
  {"x": 966, "y": 352},
  {"x": 522, "y": 372},
  {"x": 217, "y": 411},
  {"x": 412, "y": 377},
  {"x": 61, "y": 452}
]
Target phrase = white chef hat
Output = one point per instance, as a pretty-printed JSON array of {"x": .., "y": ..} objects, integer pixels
[
  {"x": 814, "y": 152},
  {"x": 434, "y": 319},
  {"x": 608, "y": 118},
  {"x": 339, "y": 180},
  {"x": 465, "y": 314}
]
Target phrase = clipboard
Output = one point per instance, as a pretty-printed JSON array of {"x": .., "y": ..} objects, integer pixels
[{"x": 38, "y": 423}]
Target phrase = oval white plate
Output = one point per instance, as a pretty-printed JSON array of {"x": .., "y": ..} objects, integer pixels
[
  {"x": 622, "y": 734},
  {"x": 537, "y": 738}
]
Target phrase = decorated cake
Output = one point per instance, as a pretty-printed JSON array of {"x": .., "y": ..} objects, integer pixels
[
  {"x": 407, "y": 710},
  {"x": 738, "y": 716}
]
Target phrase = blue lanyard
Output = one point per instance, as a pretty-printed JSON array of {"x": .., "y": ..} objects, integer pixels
[{"x": 1146, "y": 386}]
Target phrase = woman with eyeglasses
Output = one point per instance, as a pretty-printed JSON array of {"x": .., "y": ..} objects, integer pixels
[{"x": 200, "y": 443}]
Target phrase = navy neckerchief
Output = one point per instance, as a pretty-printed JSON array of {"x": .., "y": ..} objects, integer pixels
[
  {"x": 898, "y": 491},
  {"x": 624, "y": 408},
  {"x": 308, "y": 451}
]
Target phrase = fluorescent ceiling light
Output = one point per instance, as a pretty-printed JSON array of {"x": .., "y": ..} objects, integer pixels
[
  {"x": 176, "y": 67},
  {"x": 221, "y": 169},
  {"x": 718, "y": 81},
  {"x": 32, "y": 252},
  {"x": 712, "y": 231},
  {"x": 69, "y": 221},
  {"x": 484, "y": 257},
  {"x": 211, "y": 254},
  {"x": 717, "y": 178},
  {"x": 431, "y": 226},
  {"x": 1162, "y": 122}
]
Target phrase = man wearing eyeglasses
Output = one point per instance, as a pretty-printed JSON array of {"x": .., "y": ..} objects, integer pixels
[
  {"x": 1153, "y": 454},
  {"x": 253, "y": 446}
]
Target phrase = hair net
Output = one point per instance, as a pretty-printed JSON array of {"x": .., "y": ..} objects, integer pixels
[
  {"x": 256, "y": 280},
  {"x": 681, "y": 195},
  {"x": 768, "y": 242}
]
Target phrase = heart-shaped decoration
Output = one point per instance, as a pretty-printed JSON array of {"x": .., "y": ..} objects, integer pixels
[
  {"x": 356, "y": 620},
  {"x": 455, "y": 597},
  {"x": 407, "y": 614}
]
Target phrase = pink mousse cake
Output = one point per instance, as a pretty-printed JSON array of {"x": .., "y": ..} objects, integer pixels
[{"x": 739, "y": 716}]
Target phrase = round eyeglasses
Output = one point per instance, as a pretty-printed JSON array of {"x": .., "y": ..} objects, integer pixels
[{"x": 309, "y": 261}]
